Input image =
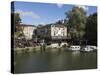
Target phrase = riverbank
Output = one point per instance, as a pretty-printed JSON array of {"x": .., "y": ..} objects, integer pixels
[
  {"x": 43, "y": 48},
  {"x": 46, "y": 48}
]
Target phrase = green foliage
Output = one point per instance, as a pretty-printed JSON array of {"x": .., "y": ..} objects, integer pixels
[
  {"x": 18, "y": 34},
  {"x": 91, "y": 27},
  {"x": 64, "y": 46},
  {"x": 17, "y": 19},
  {"x": 76, "y": 22}
]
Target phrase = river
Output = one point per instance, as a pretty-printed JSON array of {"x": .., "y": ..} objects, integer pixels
[{"x": 54, "y": 60}]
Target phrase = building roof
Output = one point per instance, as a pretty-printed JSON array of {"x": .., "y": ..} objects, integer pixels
[
  {"x": 49, "y": 25},
  {"x": 26, "y": 25},
  {"x": 41, "y": 26},
  {"x": 58, "y": 25}
]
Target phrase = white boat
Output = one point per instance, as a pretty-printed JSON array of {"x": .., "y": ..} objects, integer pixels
[
  {"x": 75, "y": 48},
  {"x": 93, "y": 47},
  {"x": 89, "y": 48}
]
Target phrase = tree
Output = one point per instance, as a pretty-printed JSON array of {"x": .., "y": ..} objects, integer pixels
[
  {"x": 16, "y": 17},
  {"x": 76, "y": 22},
  {"x": 16, "y": 20},
  {"x": 59, "y": 22},
  {"x": 91, "y": 28}
]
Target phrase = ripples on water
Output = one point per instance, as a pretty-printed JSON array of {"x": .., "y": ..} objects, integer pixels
[{"x": 54, "y": 60}]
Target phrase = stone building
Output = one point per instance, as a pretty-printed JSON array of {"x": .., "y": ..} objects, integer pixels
[
  {"x": 54, "y": 32},
  {"x": 28, "y": 30}
]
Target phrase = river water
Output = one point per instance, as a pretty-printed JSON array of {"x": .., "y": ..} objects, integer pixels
[{"x": 54, "y": 60}]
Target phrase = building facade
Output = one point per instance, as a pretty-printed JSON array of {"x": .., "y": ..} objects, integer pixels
[
  {"x": 28, "y": 30},
  {"x": 52, "y": 32},
  {"x": 58, "y": 32}
]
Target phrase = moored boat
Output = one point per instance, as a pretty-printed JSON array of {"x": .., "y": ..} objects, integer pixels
[
  {"x": 89, "y": 48},
  {"x": 75, "y": 48}
]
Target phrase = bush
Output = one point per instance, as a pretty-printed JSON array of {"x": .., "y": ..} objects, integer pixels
[
  {"x": 64, "y": 45},
  {"x": 34, "y": 49},
  {"x": 27, "y": 50}
]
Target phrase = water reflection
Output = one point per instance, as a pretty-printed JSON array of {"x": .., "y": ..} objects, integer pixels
[{"x": 53, "y": 60}]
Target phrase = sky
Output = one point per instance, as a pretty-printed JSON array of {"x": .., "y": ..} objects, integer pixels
[{"x": 45, "y": 13}]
